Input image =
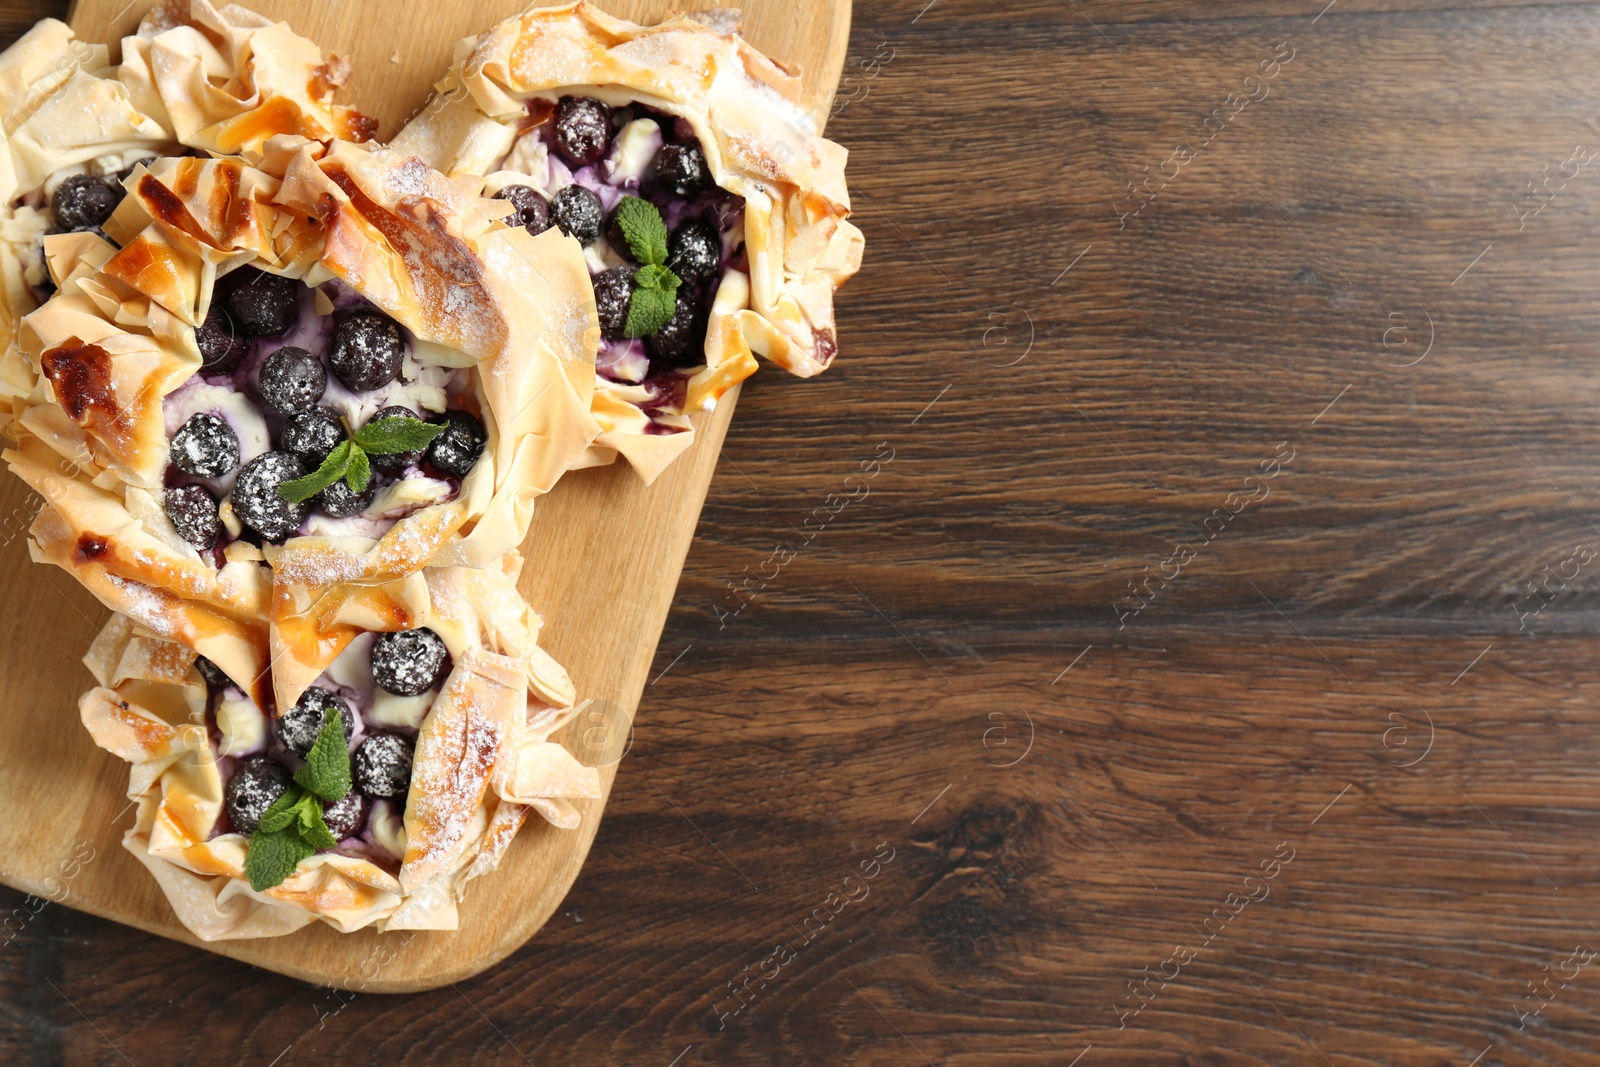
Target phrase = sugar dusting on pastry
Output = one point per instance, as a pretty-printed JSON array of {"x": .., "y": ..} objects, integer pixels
[
  {"x": 150, "y": 608},
  {"x": 461, "y": 744}
]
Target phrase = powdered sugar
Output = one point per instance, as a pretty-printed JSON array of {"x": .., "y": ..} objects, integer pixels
[{"x": 151, "y": 608}]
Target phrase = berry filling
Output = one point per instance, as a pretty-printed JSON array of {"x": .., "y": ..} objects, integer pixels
[
  {"x": 533, "y": 210},
  {"x": 194, "y": 514},
  {"x": 382, "y": 686},
  {"x": 289, "y": 378},
  {"x": 299, "y": 726},
  {"x": 84, "y": 203},
  {"x": 252, "y": 789},
  {"x": 576, "y": 163}
]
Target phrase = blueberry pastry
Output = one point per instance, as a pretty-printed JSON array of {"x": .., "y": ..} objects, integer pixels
[
  {"x": 713, "y": 217},
  {"x": 339, "y": 375},
  {"x": 400, "y": 773}
]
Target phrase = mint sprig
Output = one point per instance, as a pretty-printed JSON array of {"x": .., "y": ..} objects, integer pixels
[
  {"x": 649, "y": 309},
  {"x": 643, "y": 228},
  {"x": 283, "y": 813},
  {"x": 293, "y": 827},
  {"x": 655, "y": 288},
  {"x": 336, "y": 466},
  {"x": 273, "y": 856},
  {"x": 394, "y": 433},
  {"x": 327, "y": 769}
]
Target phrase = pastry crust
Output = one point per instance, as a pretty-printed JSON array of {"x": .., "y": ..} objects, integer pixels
[
  {"x": 756, "y": 130},
  {"x": 227, "y": 81},
  {"x": 516, "y": 312},
  {"x": 192, "y": 78},
  {"x": 483, "y": 760}
]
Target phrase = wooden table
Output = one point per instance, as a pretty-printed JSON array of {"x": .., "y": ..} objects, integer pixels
[{"x": 1214, "y": 659}]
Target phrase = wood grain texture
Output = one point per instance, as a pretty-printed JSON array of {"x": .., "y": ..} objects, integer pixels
[
  {"x": 603, "y": 561},
  {"x": 1294, "y": 664}
]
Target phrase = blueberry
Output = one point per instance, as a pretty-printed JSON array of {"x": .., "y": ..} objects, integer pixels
[
  {"x": 613, "y": 290},
  {"x": 382, "y": 766},
  {"x": 577, "y": 211},
  {"x": 194, "y": 512},
  {"x": 311, "y": 434},
  {"x": 256, "y": 784},
  {"x": 222, "y": 345},
  {"x": 680, "y": 168},
  {"x": 83, "y": 202},
  {"x": 582, "y": 130},
  {"x": 367, "y": 350},
  {"x": 301, "y": 724},
  {"x": 346, "y": 817},
  {"x": 212, "y": 673},
  {"x": 291, "y": 380},
  {"x": 264, "y": 305},
  {"x": 340, "y": 501},
  {"x": 681, "y": 342},
  {"x": 533, "y": 210},
  {"x": 407, "y": 663},
  {"x": 393, "y": 462},
  {"x": 694, "y": 251},
  {"x": 257, "y": 502},
  {"x": 456, "y": 450},
  {"x": 205, "y": 446}
]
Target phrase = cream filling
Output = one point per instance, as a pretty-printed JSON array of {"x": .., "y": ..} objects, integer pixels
[
  {"x": 390, "y": 710},
  {"x": 351, "y": 668},
  {"x": 388, "y": 828},
  {"x": 636, "y": 145},
  {"x": 427, "y": 392},
  {"x": 243, "y": 726}
]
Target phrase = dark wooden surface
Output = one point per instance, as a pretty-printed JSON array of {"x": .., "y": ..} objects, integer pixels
[{"x": 1274, "y": 699}]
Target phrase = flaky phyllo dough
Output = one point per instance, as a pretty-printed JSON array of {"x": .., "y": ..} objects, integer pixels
[
  {"x": 483, "y": 759},
  {"x": 755, "y": 128},
  {"x": 502, "y": 320},
  {"x": 192, "y": 79}
]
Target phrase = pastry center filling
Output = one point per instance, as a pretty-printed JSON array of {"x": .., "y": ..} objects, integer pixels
[
  {"x": 382, "y": 686},
  {"x": 575, "y": 166},
  {"x": 294, "y": 381}
]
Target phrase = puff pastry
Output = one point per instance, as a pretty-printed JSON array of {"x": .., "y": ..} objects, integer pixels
[
  {"x": 718, "y": 138},
  {"x": 371, "y": 286},
  {"x": 192, "y": 78},
  {"x": 482, "y": 760}
]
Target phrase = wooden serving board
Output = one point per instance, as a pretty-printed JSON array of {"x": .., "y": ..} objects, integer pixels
[{"x": 603, "y": 563}]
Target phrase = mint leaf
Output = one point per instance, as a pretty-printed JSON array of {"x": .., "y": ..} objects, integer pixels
[
  {"x": 281, "y": 813},
  {"x": 332, "y": 469},
  {"x": 397, "y": 433},
  {"x": 313, "y": 829},
  {"x": 641, "y": 224},
  {"x": 273, "y": 856},
  {"x": 327, "y": 769},
  {"x": 360, "y": 471},
  {"x": 649, "y": 310},
  {"x": 293, "y": 827},
  {"x": 655, "y": 276}
]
